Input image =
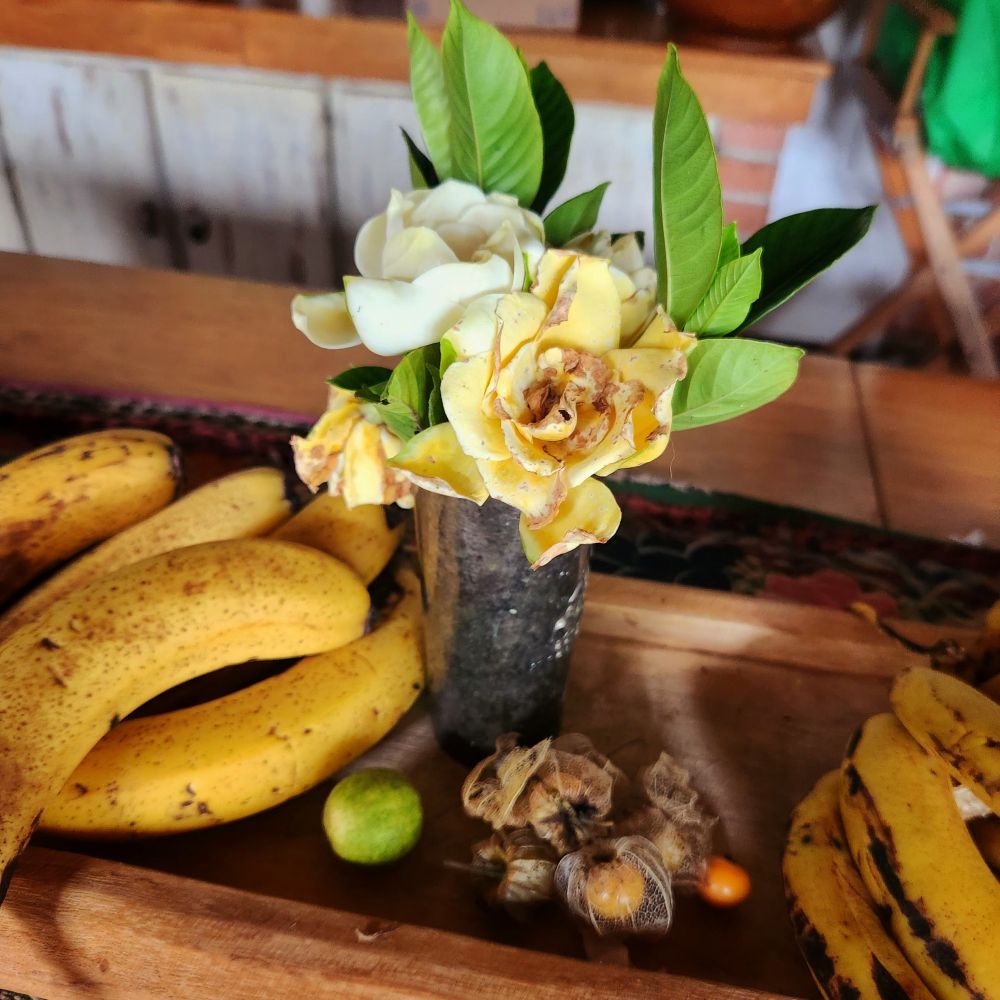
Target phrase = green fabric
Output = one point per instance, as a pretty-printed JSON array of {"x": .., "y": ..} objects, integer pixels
[{"x": 961, "y": 95}]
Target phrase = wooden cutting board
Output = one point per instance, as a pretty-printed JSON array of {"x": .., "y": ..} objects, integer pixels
[{"x": 757, "y": 698}]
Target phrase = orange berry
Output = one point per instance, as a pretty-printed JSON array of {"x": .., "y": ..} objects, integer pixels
[
  {"x": 615, "y": 889},
  {"x": 724, "y": 883}
]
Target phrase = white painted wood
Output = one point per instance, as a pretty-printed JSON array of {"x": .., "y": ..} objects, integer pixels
[
  {"x": 613, "y": 143},
  {"x": 80, "y": 145},
  {"x": 11, "y": 232},
  {"x": 246, "y": 169},
  {"x": 369, "y": 153}
]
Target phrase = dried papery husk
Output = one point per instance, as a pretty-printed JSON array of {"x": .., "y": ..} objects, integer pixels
[
  {"x": 580, "y": 745},
  {"x": 617, "y": 887},
  {"x": 683, "y": 829},
  {"x": 684, "y": 847},
  {"x": 492, "y": 791},
  {"x": 514, "y": 871},
  {"x": 569, "y": 800}
]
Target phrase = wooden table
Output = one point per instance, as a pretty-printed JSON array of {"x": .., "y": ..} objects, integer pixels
[
  {"x": 907, "y": 450},
  {"x": 756, "y": 698}
]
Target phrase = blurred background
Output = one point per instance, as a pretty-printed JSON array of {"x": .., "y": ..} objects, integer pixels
[{"x": 252, "y": 139}]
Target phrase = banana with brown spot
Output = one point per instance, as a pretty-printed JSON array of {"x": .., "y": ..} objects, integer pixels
[
  {"x": 917, "y": 857},
  {"x": 242, "y": 505},
  {"x": 57, "y": 500},
  {"x": 90, "y": 660},
  {"x": 232, "y": 757},
  {"x": 957, "y": 723},
  {"x": 837, "y": 927},
  {"x": 360, "y": 536}
]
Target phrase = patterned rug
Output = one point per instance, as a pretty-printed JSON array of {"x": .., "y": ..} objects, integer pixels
[{"x": 711, "y": 540}]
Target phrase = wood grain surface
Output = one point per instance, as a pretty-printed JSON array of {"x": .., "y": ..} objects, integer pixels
[
  {"x": 766, "y": 88},
  {"x": 756, "y": 698},
  {"x": 936, "y": 451}
]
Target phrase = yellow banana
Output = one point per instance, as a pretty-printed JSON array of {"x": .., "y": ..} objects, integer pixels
[
  {"x": 248, "y": 503},
  {"x": 359, "y": 536},
  {"x": 88, "y": 661},
  {"x": 986, "y": 833},
  {"x": 916, "y": 855},
  {"x": 251, "y": 750},
  {"x": 953, "y": 720},
  {"x": 58, "y": 500},
  {"x": 839, "y": 932}
]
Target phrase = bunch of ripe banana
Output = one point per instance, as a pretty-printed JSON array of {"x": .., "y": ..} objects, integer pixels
[
  {"x": 890, "y": 893},
  {"x": 169, "y": 590}
]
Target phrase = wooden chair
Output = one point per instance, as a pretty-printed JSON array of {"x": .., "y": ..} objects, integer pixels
[{"x": 937, "y": 274}]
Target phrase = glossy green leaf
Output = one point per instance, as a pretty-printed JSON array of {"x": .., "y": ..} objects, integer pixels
[
  {"x": 435, "y": 404},
  {"x": 430, "y": 96},
  {"x": 730, "y": 248},
  {"x": 687, "y": 196},
  {"x": 410, "y": 383},
  {"x": 360, "y": 377},
  {"x": 799, "y": 247},
  {"x": 422, "y": 172},
  {"x": 727, "y": 378},
  {"x": 573, "y": 217},
  {"x": 495, "y": 132},
  {"x": 555, "y": 110},
  {"x": 733, "y": 291}
]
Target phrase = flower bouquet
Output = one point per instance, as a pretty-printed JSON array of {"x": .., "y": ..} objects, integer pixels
[{"x": 537, "y": 354}]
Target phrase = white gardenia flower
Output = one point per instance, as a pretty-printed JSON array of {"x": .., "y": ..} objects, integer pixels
[{"x": 421, "y": 262}]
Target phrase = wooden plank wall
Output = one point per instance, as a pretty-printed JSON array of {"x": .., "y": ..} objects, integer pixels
[{"x": 252, "y": 173}]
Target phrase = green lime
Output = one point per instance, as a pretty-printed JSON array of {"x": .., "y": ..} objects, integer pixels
[{"x": 373, "y": 816}]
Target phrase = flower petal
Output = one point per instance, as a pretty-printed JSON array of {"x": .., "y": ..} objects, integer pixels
[
  {"x": 655, "y": 369},
  {"x": 413, "y": 251},
  {"x": 448, "y": 201},
  {"x": 324, "y": 319},
  {"x": 463, "y": 282},
  {"x": 589, "y": 515},
  {"x": 463, "y": 388},
  {"x": 435, "y": 461},
  {"x": 476, "y": 331},
  {"x": 368, "y": 247},
  {"x": 662, "y": 334},
  {"x": 552, "y": 270},
  {"x": 537, "y": 497},
  {"x": 396, "y": 316},
  {"x": 364, "y": 472},
  {"x": 519, "y": 316},
  {"x": 587, "y": 314}
]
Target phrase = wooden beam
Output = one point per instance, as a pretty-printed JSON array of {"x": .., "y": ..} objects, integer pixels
[
  {"x": 75, "y": 927},
  {"x": 749, "y": 87}
]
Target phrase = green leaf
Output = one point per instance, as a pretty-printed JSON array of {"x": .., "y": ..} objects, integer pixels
[
  {"x": 399, "y": 418},
  {"x": 555, "y": 110},
  {"x": 687, "y": 197},
  {"x": 448, "y": 354},
  {"x": 360, "y": 377},
  {"x": 799, "y": 247},
  {"x": 422, "y": 172},
  {"x": 495, "y": 132},
  {"x": 730, "y": 248},
  {"x": 410, "y": 383},
  {"x": 573, "y": 217},
  {"x": 430, "y": 95},
  {"x": 733, "y": 290},
  {"x": 727, "y": 378}
]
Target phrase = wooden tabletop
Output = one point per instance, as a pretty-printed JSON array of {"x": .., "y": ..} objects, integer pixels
[{"x": 912, "y": 451}]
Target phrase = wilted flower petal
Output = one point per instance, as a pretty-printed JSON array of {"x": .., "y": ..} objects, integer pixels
[{"x": 435, "y": 461}]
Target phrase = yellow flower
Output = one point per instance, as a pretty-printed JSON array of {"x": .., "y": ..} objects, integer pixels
[
  {"x": 549, "y": 388},
  {"x": 350, "y": 453}
]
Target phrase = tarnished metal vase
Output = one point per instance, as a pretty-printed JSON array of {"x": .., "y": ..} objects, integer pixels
[{"x": 497, "y": 634}]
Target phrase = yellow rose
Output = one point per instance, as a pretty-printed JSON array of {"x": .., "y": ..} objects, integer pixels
[
  {"x": 549, "y": 388},
  {"x": 350, "y": 454}
]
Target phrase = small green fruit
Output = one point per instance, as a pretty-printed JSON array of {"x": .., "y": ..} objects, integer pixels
[{"x": 373, "y": 816}]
